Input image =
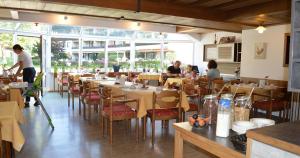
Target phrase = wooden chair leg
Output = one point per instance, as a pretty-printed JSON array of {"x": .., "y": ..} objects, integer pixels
[
  {"x": 137, "y": 129},
  {"x": 144, "y": 127},
  {"x": 110, "y": 131},
  {"x": 73, "y": 101},
  {"x": 183, "y": 117},
  {"x": 102, "y": 125},
  {"x": 68, "y": 99},
  {"x": 89, "y": 112},
  {"x": 84, "y": 110},
  {"x": 153, "y": 132},
  {"x": 79, "y": 105}
]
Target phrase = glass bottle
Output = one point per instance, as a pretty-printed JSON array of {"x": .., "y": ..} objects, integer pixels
[
  {"x": 210, "y": 108},
  {"x": 224, "y": 116},
  {"x": 242, "y": 108}
]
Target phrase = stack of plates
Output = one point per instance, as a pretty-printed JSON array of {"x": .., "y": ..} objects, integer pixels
[
  {"x": 262, "y": 122},
  {"x": 241, "y": 127}
]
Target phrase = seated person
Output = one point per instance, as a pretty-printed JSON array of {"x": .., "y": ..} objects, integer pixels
[
  {"x": 189, "y": 71},
  {"x": 212, "y": 72},
  {"x": 174, "y": 71}
]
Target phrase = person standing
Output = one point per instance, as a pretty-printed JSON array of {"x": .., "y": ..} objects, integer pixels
[{"x": 24, "y": 64}]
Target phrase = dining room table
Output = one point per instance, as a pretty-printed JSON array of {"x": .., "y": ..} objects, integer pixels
[
  {"x": 11, "y": 117},
  {"x": 177, "y": 80},
  {"x": 14, "y": 93},
  {"x": 133, "y": 91},
  {"x": 150, "y": 76},
  {"x": 256, "y": 92}
]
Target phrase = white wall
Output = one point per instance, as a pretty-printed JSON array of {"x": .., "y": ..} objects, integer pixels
[
  {"x": 209, "y": 38},
  {"x": 272, "y": 66}
]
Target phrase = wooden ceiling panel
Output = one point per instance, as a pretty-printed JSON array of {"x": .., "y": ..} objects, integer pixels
[
  {"x": 239, "y": 4},
  {"x": 229, "y": 15}
]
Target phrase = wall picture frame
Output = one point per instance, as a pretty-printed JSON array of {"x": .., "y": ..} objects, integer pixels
[{"x": 260, "y": 50}]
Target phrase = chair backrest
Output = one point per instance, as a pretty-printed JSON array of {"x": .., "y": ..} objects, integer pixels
[
  {"x": 217, "y": 85},
  {"x": 87, "y": 75},
  {"x": 167, "y": 99},
  {"x": 105, "y": 94},
  {"x": 189, "y": 88},
  {"x": 37, "y": 84},
  {"x": 73, "y": 81}
]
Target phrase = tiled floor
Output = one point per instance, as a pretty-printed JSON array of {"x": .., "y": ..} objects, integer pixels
[{"x": 74, "y": 137}]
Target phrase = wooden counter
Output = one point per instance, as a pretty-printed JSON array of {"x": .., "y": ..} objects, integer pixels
[
  {"x": 285, "y": 136},
  {"x": 206, "y": 139}
]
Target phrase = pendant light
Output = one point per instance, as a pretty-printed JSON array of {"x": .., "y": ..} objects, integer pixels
[{"x": 260, "y": 29}]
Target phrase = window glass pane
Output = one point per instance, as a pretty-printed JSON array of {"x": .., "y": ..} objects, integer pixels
[
  {"x": 144, "y": 35},
  {"x": 6, "y": 53},
  {"x": 33, "y": 27},
  {"x": 178, "y": 51},
  {"x": 59, "y": 29},
  {"x": 121, "y": 33},
  {"x": 8, "y": 25},
  {"x": 147, "y": 57},
  {"x": 119, "y": 58},
  {"x": 64, "y": 54},
  {"x": 93, "y": 55},
  {"x": 94, "y": 31},
  {"x": 32, "y": 46},
  {"x": 118, "y": 44}
]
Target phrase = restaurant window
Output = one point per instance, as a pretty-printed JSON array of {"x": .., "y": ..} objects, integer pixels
[
  {"x": 144, "y": 35},
  {"x": 94, "y": 31},
  {"x": 60, "y": 29},
  {"x": 119, "y": 54},
  {"x": 121, "y": 33},
  {"x": 182, "y": 51},
  {"x": 119, "y": 58},
  {"x": 6, "y": 53},
  {"x": 6, "y": 25},
  {"x": 147, "y": 57},
  {"x": 33, "y": 27},
  {"x": 64, "y": 54},
  {"x": 93, "y": 55}
]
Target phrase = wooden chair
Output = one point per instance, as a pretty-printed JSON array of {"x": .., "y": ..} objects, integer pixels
[
  {"x": 87, "y": 75},
  {"x": 90, "y": 98},
  {"x": 217, "y": 86},
  {"x": 4, "y": 96},
  {"x": 73, "y": 89},
  {"x": 194, "y": 97},
  {"x": 113, "y": 109},
  {"x": 62, "y": 82},
  {"x": 163, "y": 109},
  {"x": 82, "y": 94},
  {"x": 279, "y": 103}
]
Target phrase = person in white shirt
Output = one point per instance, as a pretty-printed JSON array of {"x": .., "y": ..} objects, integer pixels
[{"x": 25, "y": 64}]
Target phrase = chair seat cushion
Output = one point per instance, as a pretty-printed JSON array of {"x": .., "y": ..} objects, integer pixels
[
  {"x": 119, "y": 111},
  {"x": 75, "y": 90},
  {"x": 86, "y": 94},
  {"x": 172, "y": 113},
  {"x": 193, "y": 107},
  {"x": 92, "y": 97},
  {"x": 277, "y": 105}
]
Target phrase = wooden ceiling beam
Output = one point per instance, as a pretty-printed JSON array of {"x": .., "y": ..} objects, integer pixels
[
  {"x": 259, "y": 9},
  {"x": 148, "y": 6}
]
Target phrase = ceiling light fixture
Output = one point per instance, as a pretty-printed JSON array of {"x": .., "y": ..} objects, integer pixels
[
  {"x": 14, "y": 14},
  {"x": 65, "y": 18},
  {"x": 260, "y": 29}
]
